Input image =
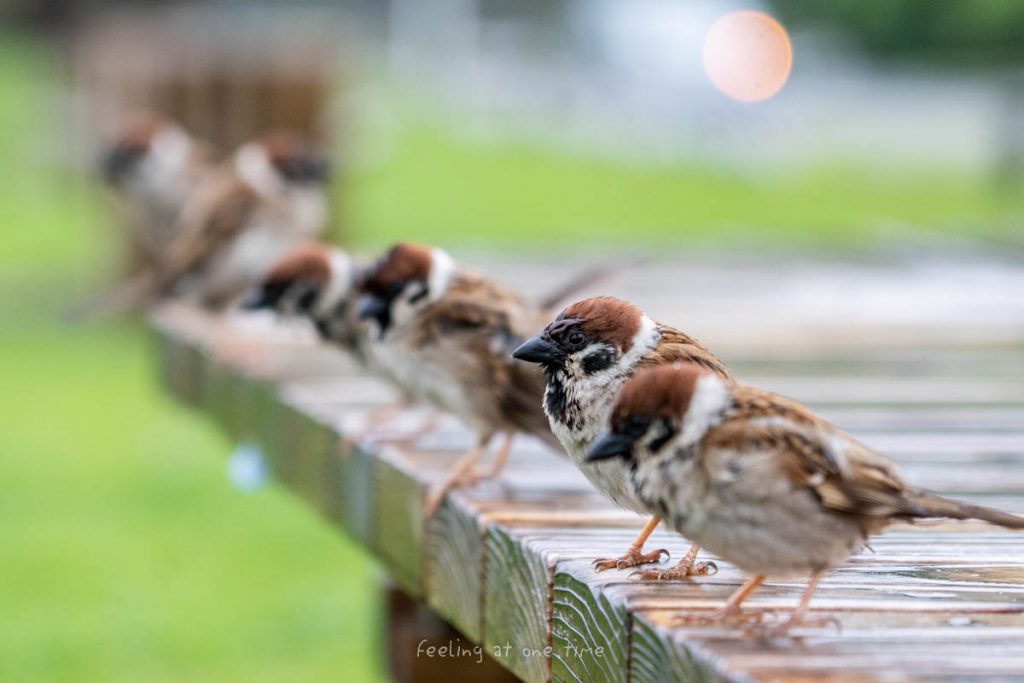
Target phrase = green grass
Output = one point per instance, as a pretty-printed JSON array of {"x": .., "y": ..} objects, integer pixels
[
  {"x": 446, "y": 188},
  {"x": 125, "y": 555}
]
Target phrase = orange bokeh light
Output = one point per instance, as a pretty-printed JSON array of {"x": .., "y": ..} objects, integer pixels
[{"x": 748, "y": 55}]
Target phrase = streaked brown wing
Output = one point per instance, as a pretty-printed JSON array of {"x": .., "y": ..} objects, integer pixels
[
  {"x": 676, "y": 346},
  {"x": 845, "y": 475},
  {"x": 492, "y": 321},
  {"x": 216, "y": 219}
]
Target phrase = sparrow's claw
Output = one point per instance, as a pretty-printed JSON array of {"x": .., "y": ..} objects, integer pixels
[
  {"x": 633, "y": 558},
  {"x": 681, "y": 571},
  {"x": 702, "y": 568}
]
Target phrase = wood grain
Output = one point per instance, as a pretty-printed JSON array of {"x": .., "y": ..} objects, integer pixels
[
  {"x": 518, "y": 602},
  {"x": 509, "y": 563},
  {"x": 454, "y": 568},
  {"x": 590, "y": 629}
]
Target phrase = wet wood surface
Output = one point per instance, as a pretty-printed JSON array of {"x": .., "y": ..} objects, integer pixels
[{"x": 508, "y": 563}]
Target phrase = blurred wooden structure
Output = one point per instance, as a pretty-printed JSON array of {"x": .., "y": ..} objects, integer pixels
[
  {"x": 508, "y": 564},
  {"x": 227, "y": 72}
]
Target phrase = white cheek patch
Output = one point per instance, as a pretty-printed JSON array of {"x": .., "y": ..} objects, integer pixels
[
  {"x": 710, "y": 399},
  {"x": 403, "y": 310},
  {"x": 594, "y": 349},
  {"x": 442, "y": 270},
  {"x": 338, "y": 286},
  {"x": 254, "y": 168},
  {"x": 171, "y": 147},
  {"x": 645, "y": 339}
]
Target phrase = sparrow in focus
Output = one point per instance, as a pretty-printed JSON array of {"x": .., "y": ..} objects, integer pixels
[
  {"x": 267, "y": 200},
  {"x": 587, "y": 354},
  {"x": 446, "y": 334},
  {"x": 758, "y": 479}
]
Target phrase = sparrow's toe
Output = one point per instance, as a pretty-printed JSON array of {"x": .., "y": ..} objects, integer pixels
[
  {"x": 633, "y": 558},
  {"x": 658, "y": 575},
  {"x": 702, "y": 569},
  {"x": 684, "y": 570}
]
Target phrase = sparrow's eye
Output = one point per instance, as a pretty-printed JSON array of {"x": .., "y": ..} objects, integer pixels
[{"x": 576, "y": 338}]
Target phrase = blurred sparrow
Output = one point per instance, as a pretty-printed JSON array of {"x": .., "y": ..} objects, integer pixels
[
  {"x": 588, "y": 352},
  {"x": 153, "y": 167},
  {"x": 269, "y": 199},
  {"x": 316, "y": 282},
  {"x": 758, "y": 479},
  {"x": 446, "y": 334}
]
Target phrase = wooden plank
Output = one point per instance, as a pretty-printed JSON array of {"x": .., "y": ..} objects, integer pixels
[
  {"x": 398, "y": 518},
  {"x": 509, "y": 564},
  {"x": 656, "y": 657},
  {"x": 350, "y": 502},
  {"x": 517, "y": 603},
  {"x": 454, "y": 568},
  {"x": 590, "y": 632}
]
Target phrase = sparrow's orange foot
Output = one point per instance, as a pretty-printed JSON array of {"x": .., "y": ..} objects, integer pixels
[
  {"x": 679, "y": 572},
  {"x": 633, "y": 558}
]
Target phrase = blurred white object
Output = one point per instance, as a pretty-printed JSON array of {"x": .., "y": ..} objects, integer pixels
[{"x": 247, "y": 468}]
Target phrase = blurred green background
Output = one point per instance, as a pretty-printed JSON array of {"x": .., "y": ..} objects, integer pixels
[{"x": 127, "y": 555}]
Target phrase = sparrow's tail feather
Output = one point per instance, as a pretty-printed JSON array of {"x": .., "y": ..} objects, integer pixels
[
  {"x": 124, "y": 298},
  {"x": 588, "y": 278},
  {"x": 927, "y": 504}
]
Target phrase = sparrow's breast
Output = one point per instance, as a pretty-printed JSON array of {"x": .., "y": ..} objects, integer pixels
[{"x": 749, "y": 516}]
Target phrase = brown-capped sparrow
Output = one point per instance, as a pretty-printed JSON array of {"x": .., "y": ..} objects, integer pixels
[
  {"x": 153, "y": 166},
  {"x": 758, "y": 479},
  {"x": 587, "y": 353},
  {"x": 316, "y": 282},
  {"x": 267, "y": 200},
  {"x": 446, "y": 335}
]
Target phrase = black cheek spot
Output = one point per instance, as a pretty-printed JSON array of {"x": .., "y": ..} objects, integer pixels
[
  {"x": 596, "y": 362},
  {"x": 419, "y": 296},
  {"x": 658, "y": 443},
  {"x": 307, "y": 299}
]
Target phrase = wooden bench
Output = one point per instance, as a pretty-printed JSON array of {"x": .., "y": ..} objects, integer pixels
[{"x": 508, "y": 564}]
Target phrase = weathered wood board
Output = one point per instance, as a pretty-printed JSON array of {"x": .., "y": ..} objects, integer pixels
[{"x": 508, "y": 564}]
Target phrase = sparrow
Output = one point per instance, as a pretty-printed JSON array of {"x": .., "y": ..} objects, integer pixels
[
  {"x": 316, "y": 282},
  {"x": 758, "y": 479},
  {"x": 153, "y": 166},
  {"x": 445, "y": 334},
  {"x": 587, "y": 353},
  {"x": 269, "y": 198}
]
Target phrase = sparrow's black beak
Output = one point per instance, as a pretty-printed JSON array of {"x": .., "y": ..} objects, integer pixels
[
  {"x": 256, "y": 301},
  {"x": 611, "y": 446},
  {"x": 536, "y": 350},
  {"x": 307, "y": 170},
  {"x": 372, "y": 307},
  {"x": 116, "y": 163}
]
